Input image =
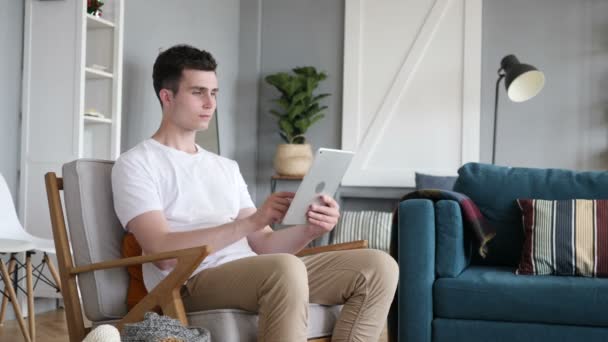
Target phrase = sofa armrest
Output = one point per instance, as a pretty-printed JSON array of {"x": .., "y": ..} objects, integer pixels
[
  {"x": 416, "y": 257},
  {"x": 453, "y": 244}
]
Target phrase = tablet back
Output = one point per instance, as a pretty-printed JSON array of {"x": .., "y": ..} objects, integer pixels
[{"x": 323, "y": 178}]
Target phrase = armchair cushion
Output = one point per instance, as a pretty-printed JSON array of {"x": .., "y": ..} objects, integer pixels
[
  {"x": 566, "y": 237},
  {"x": 498, "y": 294},
  {"x": 96, "y": 235}
]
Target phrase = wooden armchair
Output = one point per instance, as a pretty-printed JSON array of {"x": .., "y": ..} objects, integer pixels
[{"x": 95, "y": 237}]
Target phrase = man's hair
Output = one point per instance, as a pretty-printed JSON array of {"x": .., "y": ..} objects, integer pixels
[{"x": 169, "y": 64}]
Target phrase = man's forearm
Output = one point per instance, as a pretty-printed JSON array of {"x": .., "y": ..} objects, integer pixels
[
  {"x": 288, "y": 240},
  {"x": 215, "y": 237}
]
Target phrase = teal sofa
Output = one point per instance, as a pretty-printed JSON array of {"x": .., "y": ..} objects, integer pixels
[{"x": 448, "y": 293}]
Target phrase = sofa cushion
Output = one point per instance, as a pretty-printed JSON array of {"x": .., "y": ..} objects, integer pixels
[
  {"x": 498, "y": 294},
  {"x": 567, "y": 237},
  {"x": 424, "y": 181},
  {"x": 495, "y": 190}
]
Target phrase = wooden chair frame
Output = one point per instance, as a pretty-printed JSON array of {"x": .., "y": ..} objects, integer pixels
[{"x": 171, "y": 305}]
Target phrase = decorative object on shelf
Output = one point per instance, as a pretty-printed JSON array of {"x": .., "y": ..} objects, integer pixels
[
  {"x": 522, "y": 81},
  {"x": 94, "y": 7},
  {"x": 299, "y": 110},
  {"x": 92, "y": 112},
  {"x": 99, "y": 67}
]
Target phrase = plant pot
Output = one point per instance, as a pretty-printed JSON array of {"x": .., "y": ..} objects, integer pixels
[{"x": 292, "y": 159}]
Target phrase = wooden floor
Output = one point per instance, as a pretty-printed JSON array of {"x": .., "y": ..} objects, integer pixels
[{"x": 52, "y": 326}]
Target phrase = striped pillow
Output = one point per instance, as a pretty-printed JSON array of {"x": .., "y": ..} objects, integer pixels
[
  {"x": 373, "y": 226},
  {"x": 566, "y": 237}
]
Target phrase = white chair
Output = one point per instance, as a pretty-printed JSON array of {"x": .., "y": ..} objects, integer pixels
[{"x": 13, "y": 240}]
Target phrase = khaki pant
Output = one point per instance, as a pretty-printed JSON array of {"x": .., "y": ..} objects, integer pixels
[{"x": 280, "y": 286}]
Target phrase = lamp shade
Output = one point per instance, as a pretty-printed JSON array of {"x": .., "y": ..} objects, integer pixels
[{"x": 523, "y": 81}]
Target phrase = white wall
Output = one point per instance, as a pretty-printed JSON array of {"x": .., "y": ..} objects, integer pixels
[{"x": 11, "y": 49}]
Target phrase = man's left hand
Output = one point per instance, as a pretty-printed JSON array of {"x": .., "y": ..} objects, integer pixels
[{"x": 322, "y": 218}]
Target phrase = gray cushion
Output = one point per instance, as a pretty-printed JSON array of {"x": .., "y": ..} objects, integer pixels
[
  {"x": 424, "y": 181},
  {"x": 96, "y": 235},
  {"x": 238, "y": 325}
]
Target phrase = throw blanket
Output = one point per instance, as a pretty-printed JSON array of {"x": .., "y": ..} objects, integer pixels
[
  {"x": 471, "y": 214},
  {"x": 155, "y": 328}
]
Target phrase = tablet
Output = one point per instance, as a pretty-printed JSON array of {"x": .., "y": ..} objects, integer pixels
[{"x": 323, "y": 178}]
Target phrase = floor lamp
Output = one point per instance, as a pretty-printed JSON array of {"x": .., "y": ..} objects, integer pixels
[{"x": 522, "y": 81}]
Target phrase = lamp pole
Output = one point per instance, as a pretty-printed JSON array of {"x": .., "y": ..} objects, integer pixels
[{"x": 501, "y": 75}]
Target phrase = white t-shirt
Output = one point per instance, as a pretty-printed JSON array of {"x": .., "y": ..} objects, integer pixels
[{"x": 192, "y": 190}]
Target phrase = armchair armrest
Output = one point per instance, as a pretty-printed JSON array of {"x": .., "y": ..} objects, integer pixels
[
  {"x": 187, "y": 262},
  {"x": 337, "y": 247}
]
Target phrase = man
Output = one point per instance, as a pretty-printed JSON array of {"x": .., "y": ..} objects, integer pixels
[{"x": 172, "y": 194}]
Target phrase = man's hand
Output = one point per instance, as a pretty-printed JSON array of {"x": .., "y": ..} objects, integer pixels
[
  {"x": 273, "y": 210},
  {"x": 323, "y": 218}
]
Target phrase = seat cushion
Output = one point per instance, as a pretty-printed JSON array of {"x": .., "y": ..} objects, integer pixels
[
  {"x": 239, "y": 325},
  {"x": 498, "y": 294}
]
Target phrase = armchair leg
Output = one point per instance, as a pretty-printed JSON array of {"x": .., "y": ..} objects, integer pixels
[
  {"x": 8, "y": 287},
  {"x": 11, "y": 269}
]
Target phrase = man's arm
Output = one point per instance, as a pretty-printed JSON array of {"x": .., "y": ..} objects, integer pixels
[
  {"x": 152, "y": 230},
  {"x": 152, "y": 233},
  {"x": 321, "y": 219}
]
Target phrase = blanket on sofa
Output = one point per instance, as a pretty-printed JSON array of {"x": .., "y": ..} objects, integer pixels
[{"x": 472, "y": 217}]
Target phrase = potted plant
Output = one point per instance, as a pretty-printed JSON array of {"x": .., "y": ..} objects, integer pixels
[
  {"x": 298, "y": 110},
  {"x": 94, "y": 7}
]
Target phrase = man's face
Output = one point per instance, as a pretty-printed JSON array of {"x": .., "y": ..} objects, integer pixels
[{"x": 194, "y": 104}]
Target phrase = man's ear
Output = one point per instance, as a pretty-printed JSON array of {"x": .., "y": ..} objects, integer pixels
[{"x": 166, "y": 96}]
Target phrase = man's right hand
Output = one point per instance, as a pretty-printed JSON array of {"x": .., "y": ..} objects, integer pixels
[{"x": 273, "y": 210}]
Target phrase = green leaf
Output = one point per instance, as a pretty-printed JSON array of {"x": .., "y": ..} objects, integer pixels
[
  {"x": 280, "y": 81},
  {"x": 316, "y": 110},
  {"x": 299, "y": 97},
  {"x": 302, "y": 124},
  {"x": 282, "y": 102},
  {"x": 295, "y": 111},
  {"x": 315, "y": 119},
  {"x": 286, "y": 127},
  {"x": 319, "y": 97},
  {"x": 284, "y": 137},
  {"x": 306, "y": 71}
]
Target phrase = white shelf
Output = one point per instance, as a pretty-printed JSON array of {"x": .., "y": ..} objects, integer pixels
[
  {"x": 94, "y": 22},
  {"x": 94, "y": 74},
  {"x": 94, "y": 120}
]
